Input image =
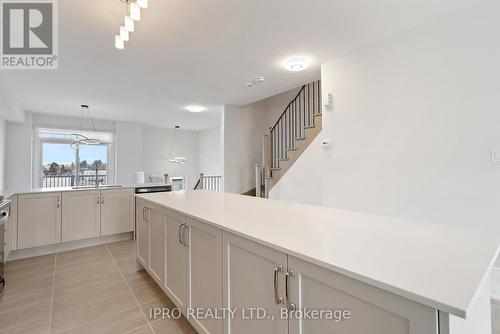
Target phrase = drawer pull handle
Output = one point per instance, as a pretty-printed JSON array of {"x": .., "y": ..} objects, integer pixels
[
  {"x": 289, "y": 274},
  {"x": 278, "y": 300}
]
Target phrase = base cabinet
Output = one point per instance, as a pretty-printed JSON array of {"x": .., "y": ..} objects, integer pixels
[
  {"x": 370, "y": 310},
  {"x": 116, "y": 211},
  {"x": 156, "y": 261},
  {"x": 176, "y": 278},
  {"x": 205, "y": 272},
  {"x": 142, "y": 233},
  {"x": 252, "y": 276},
  {"x": 80, "y": 215},
  {"x": 39, "y": 219}
]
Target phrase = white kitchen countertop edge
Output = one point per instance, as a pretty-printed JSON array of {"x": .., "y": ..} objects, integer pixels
[{"x": 460, "y": 310}]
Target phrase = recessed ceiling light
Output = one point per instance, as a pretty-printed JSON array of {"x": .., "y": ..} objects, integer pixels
[
  {"x": 194, "y": 108},
  {"x": 296, "y": 64}
]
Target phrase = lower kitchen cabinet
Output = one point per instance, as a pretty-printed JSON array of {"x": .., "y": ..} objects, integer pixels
[
  {"x": 371, "y": 310},
  {"x": 156, "y": 263},
  {"x": 80, "y": 215},
  {"x": 205, "y": 270},
  {"x": 176, "y": 277},
  {"x": 253, "y": 277},
  {"x": 142, "y": 233},
  {"x": 116, "y": 211},
  {"x": 39, "y": 219}
]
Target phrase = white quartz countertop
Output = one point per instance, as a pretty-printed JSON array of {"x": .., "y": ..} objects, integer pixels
[
  {"x": 437, "y": 265},
  {"x": 65, "y": 189}
]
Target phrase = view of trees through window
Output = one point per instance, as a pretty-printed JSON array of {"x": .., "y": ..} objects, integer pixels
[{"x": 63, "y": 166}]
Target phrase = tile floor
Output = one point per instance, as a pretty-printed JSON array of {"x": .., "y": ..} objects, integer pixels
[{"x": 91, "y": 290}]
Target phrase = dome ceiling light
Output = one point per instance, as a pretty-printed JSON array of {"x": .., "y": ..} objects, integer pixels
[
  {"x": 133, "y": 14},
  {"x": 297, "y": 64}
]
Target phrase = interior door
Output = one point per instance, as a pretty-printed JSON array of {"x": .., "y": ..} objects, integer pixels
[
  {"x": 205, "y": 288},
  {"x": 176, "y": 278},
  {"x": 39, "y": 219},
  {"x": 116, "y": 211},
  {"x": 253, "y": 277},
  {"x": 142, "y": 236},
  {"x": 156, "y": 243},
  {"x": 80, "y": 215},
  {"x": 371, "y": 310}
]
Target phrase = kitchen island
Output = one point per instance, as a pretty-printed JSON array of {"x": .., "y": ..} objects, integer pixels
[{"x": 208, "y": 249}]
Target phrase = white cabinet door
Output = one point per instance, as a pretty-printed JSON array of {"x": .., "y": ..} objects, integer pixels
[
  {"x": 176, "y": 278},
  {"x": 156, "y": 243},
  {"x": 205, "y": 269},
  {"x": 80, "y": 215},
  {"x": 372, "y": 310},
  {"x": 250, "y": 273},
  {"x": 142, "y": 235},
  {"x": 116, "y": 211},
  {"x": 39, "y": 219}
]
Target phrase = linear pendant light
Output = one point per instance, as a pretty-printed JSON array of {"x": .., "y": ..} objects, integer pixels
[{"x": 133, "y": 14}]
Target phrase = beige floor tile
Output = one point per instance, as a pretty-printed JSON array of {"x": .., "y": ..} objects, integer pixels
[
  {"x": 29, "y": 271},
  {"x": 172, "y": 326},
  {"x": 37, "y": 326},
  {"x": 149, "y": 294},
  {"x": 129, "y": 272},
  {"x": 127, "y": 252},
  {"x": 65, "y": 317},
  {"x": 17, "y": 300},
  {"x": 70, "y": 285},
  {"x": 97, "y": 292},
  {"x": 128, "y": 263},
  {"x": 121, "y": 322},
  {"x": 139, "y": 280},
  {"x": 142, "y": 330},
  {"x": 23, "y": 315},
  {"x": 37, "y": 260},
  {"x": 120, "y": 243},
  {"x": 86, "y": 251},
  {"x": 79, "y": 261},
  {"x": 15, "y": 289},
  {"x": 149, "y": 307}
]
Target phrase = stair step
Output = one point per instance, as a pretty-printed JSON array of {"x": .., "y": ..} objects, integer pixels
[
  {"x": 290, "y": 149},
  {"x": 285, "y": 159},
  {"x": 309, "y": 126},
  {"x": 300, "y": 138},
  {"x": 276, "y": 168},
  {"x": 317, "y": 115}
]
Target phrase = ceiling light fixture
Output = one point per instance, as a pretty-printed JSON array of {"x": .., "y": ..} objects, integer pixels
[
  {"x": 80, "y": 139},
  {"x": 194, "y": 108},
  {"x": 119, "y": 44},
  {"x": 180, "y": 160},
  {"x": 129, "y": 23},
  {"x": 124, "y": 35},
  {"x": 133, "y": 14},
  {"x": 296, "y": 64}
]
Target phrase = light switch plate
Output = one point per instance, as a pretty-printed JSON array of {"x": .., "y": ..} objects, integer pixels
[{"x": 495, "y": 155}]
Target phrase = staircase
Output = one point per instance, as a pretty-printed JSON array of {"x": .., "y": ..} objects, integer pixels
[{"x": 296, "y": 128}]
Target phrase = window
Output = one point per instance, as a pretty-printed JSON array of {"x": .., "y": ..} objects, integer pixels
[{"x": 62, "y": 166}]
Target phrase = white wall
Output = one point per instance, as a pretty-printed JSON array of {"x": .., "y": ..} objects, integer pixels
[
  {"x": 157, "y": 151},
  {"x": 129, "y": 148},
  {"x": 209, "y": 152},
  {"x": 2, "y": 155},
  {"x": 414, "y": 122},
  {"x": 244, "y": 128},
  {"x": 18, "y": 155}
]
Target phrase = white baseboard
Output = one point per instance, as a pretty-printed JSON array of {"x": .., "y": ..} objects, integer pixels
[{"x": 51, "y": 249}]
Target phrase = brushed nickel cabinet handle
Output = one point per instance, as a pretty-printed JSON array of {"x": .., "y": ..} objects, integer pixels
[
  {"x": 98, "y": 199},
  {"x": 184, "y": 235},
  {"x": 102, "y": 198},
  {"x": 180, "y": 233},
  {"x": 58, "y": 202},
  {"x": 289, "y": 274},
  {"x": 278, "y": 300}
]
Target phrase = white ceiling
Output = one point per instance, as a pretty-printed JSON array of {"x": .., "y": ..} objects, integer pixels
[{"x": 203, "y": 52}]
